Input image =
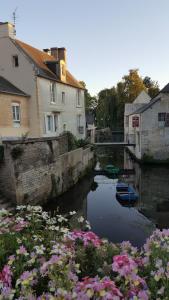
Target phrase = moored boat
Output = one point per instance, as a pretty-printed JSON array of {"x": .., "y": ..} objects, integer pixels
[
  {"x": 111, "y": 169},
  {"x": 125, "y": 192}
]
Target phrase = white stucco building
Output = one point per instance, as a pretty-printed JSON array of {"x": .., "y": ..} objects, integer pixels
[
  {"x": 56, "y": 102},
  {"x": 148, "y": 127}
]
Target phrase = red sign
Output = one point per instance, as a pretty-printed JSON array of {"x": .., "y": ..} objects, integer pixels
[{"x": 135, "y": 121}]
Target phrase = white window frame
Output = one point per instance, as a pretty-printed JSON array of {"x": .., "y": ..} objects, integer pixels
[
  {"x": 54, "y": 123},
  {"x": 78, "y": 98},
  {"x": 16, "y": 114},
  {"x": 52, "y": 92}
]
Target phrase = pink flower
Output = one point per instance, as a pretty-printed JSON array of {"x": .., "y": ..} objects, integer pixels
[
  {"x": 6, "y": 276},
  {"x": 86, "y": 237},
  {"x": 22, "y": 250},
  {"x": 123, "y": 264}
]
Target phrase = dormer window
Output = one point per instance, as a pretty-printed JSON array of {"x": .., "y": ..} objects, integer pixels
[
  {"x": 15, "y": 61},
  {"x": 52, "y": 92}
]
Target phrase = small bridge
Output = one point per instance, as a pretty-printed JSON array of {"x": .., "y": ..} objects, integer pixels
[
  {"x": 124, "y": 144},
  {"x": 121, "y": 172}
]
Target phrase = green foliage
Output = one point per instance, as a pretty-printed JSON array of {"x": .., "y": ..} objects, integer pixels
[
  {"x": 152, "y": 86},
  {"x": 16, "y": 152},
  {"x": 111, "y": 102},
  {"x": 1, "y": 153},
  {"x": 74, "y": 143},
  {"x": 90, "y": 101}
]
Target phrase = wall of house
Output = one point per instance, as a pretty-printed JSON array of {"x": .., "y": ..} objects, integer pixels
[
  {"x": 7, "y": 129},
  {"x": 22, "y": 77},
  {"x": 155, "y": 139},
  {"x": 67, "y": 112},
  {"x": 41, "y": 169}
]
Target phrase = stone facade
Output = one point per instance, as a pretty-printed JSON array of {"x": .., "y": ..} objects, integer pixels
[
  {"x": 36, "y": 170},
  {"x": 150, "y": 133}
]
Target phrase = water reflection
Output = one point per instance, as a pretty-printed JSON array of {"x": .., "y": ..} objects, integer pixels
[
  {"x": 95, "y": 199},
  {"x": 152, "y": 183}
]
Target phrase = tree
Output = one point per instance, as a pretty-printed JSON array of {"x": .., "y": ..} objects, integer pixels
[
  {"x": 152, "y": 86},
  {"x": 111, "y": 102},
  {"x": 133, "y": 85},
  {"x": 90, "y": 102}
]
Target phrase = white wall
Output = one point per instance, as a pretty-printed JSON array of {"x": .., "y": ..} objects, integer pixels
[
  {"x": 22, "y": 76},
  {"x": 67, "y": 112},
  {"x": 155, "y": 140}
]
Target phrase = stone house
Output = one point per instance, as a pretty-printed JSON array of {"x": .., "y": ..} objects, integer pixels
[
  {"x": 149, "y": 128},
  {"x": 142, "y": 99},
  {"x": 56, "y": 102},
  {"x": 14, "y": 115}
]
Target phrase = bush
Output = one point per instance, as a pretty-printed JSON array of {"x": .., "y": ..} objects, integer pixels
[
  {"x": 74, "y": 143},
  {"x": 44, "y": 257}
]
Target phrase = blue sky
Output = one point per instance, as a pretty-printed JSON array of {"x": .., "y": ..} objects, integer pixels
[{"x": 104, "y": 38}]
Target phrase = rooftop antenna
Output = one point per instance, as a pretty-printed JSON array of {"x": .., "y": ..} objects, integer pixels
[{"x": 14, "y": 19}]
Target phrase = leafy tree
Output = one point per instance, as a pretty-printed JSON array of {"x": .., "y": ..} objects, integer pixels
[
  {"x": 111, "y": 102},
  {"x": 152, "y": 86},
  {"x": 90, "y": 102},
  {"x": 133, "y": 85}
]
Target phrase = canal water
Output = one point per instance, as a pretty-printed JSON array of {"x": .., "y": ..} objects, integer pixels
[{"x": 94, "y": 198}]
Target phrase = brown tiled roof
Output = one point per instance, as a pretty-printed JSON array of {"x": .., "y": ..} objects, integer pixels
[{"x": 39, "y": 58}]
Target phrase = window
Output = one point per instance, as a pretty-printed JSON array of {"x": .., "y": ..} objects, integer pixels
[
  {"x": 80, "y": 127},
  {"x": 51, "y": 121},
  {"x": 161, "y": 117},
  {"x": 15, "y": 61},
  {"x": 163, "y": 120},
  {"x": 63, "y": 97},
  {"x": 78, "y": 120},
  {"x": 78, "y": 97},
  {"x": 52, "y": 92},
  {"x": 16, "y": 114}
]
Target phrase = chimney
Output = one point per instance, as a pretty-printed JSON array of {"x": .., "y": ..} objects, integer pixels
[
  {"x": 54, "y": 52},
  {"x": 7, "y": 30}
]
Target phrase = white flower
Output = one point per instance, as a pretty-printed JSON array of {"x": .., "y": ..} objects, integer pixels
[
  {"x": 80, "y": 219},
  {"x": 21, "y": 207},
  {"x": 71, "y": 213},
  {"x": 40, "y": 249},
  {"x": 64, "y": 230}
]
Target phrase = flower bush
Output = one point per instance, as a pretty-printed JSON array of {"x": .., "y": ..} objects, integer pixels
[{"x": 47, "y": 257}]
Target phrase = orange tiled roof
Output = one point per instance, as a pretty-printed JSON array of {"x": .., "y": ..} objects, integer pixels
[{"x": 40, "y": 57}]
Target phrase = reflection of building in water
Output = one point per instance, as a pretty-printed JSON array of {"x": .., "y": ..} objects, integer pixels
[
  {"x": 73, "y": 200},
  {"x": 152, "y": 184}
]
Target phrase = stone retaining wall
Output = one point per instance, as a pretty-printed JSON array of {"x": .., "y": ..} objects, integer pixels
[{"x": 34, "y": 171}]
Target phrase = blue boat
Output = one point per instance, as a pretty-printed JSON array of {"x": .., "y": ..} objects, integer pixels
[{"x": 126, "y": 192}]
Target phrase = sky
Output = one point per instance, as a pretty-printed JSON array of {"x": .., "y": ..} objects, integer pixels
[{"x": 103, "y": 38}]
